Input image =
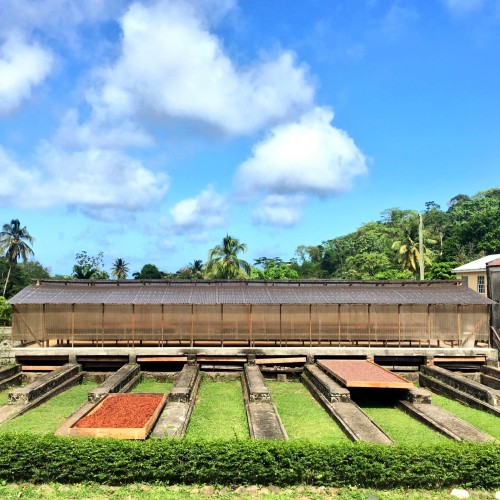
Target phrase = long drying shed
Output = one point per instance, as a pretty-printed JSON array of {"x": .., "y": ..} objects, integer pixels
[{"x": 238, "y": 317}]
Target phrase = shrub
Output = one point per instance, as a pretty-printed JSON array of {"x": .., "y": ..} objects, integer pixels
[{"x": 54, "y": 459}]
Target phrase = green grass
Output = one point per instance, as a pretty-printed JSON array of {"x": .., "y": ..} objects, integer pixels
[
  {"x": 46, "y": 418},
  {"x": 480, "y": 419},
  {"x": 302, "y": 416},
  {"x": 219, "y": 412},
  {"x": 151, "y": 385},
  {"x": 157, "y": 492},
  {"x": 4, "y": 397},
  {"x": 400, "y": 426}
]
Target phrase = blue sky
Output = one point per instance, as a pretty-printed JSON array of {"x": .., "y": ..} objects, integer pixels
[{"x": 148, "y": 130}]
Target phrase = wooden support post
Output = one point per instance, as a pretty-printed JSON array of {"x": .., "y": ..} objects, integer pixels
[
  {"x": 250, "y": 326},
  {"x": 369, "y": 324},
  {"x": 310, "y": 325},
  {"x": 399, "y": 325},
  {"x": 72, "y": 325},
  {"x": 338, "y": 321},
  {"x": 133, "y": 325},
  {"x": 192, "y": 326}
]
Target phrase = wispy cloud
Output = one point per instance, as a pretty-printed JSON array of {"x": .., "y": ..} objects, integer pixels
[{"x": 23, "y": 65}]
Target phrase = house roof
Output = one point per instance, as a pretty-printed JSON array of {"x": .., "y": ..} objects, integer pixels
[
  {"x": 247, "y": 292},
  {"x": 494, "y": 263},
  {"x": 476, "y": 265}
]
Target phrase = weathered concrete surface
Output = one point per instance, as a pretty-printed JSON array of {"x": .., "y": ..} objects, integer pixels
[
  {"x": 490, "y": 376},
  {"x": 263, "y": 419},
  {"x": 355, "y": 423},
  {"x": 463, "y": 384},
  {"x": 44, "y": 384},
  {"x": 255, "y": 385},
  {"x": 445, "y": 422},
  {"x": 174, "y": 419},
  {"x": 419, "y": 395},
  {"x": 10, "y": 376},
  {"x": 490, "y": 354},
  {"x": 183, "y": 386},
  {"x": 446, "y": 390},
  {"x": 332, "y": 391},
  {"x": 19, "y": 406},
  {"x": 63, "y": 429},
  {"x": 118, "y": 382}
]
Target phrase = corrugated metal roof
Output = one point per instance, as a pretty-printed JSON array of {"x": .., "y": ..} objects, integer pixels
[
  {"x": 476, "y": 265},
  {"x": 247, "y": 292}
]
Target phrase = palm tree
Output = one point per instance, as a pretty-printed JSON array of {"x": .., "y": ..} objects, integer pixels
[
  {"x": 13, "y": 245},
  {"x": 223, "y": 261},
  {"x": 407, "y": 246},
  {"x": 196, "y": 268},
  {"x": 119, "y": 269}
]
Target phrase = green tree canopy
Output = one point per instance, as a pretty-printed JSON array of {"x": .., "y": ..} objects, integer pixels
[
  {"x": 120, "y": 269},
  {"x": 224, "y": 263},
  {"x": 14, "y": 245},
  {"x": 148, "y": 272}
]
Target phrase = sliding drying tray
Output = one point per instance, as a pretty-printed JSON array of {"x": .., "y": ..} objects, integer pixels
[{"x": 122, "y": 416}]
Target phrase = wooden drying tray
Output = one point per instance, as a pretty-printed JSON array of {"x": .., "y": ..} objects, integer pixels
[
  {"x": 363, "y": 373},
  {"x": 117, "y": 432}
]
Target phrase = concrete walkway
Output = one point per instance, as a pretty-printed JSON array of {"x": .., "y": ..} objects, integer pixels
[
  {"x": 444, "y": 422},
  {"x": 263, "y": 419},
  {"x": 356, "y": 424},
  {"x": 174, "y": 419},
  {"x": 41, "y": 390}
]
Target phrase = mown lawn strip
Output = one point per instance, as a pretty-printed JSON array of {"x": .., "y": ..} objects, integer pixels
[
  {"x": 302, "y": 416},
  {"x": 219, "y": 412},
  {"x": 480, "y": 419},
  {"x": 151, "y": 385},
  {"x": 46, "y": 418},
  {"x": 400, "y": 426}
]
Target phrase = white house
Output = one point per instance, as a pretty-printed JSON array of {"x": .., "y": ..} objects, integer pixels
[{"x": 474, "y": 273}]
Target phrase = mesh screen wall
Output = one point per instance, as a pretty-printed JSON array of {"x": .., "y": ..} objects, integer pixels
[{"x": 315, "y": 324}]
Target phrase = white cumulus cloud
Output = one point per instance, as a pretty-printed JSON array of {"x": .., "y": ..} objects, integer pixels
[
  {"x": 23, "y": 65},
  {"x": 96, "y": 181},
  {"x": 207, "y": 210},
  {"x": 279, "y": 210},
  {"x": 172, "y": 66},
  {"x": 308, "y": 156}
]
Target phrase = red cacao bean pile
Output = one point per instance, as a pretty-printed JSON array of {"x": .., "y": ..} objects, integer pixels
[
  {"x": 360, "y": 370},
  {"x": 124, "y": 411}
]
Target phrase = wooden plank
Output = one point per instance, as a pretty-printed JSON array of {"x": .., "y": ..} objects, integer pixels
[
  {"x": 459, "y": 359},
  {"x": 363, "y": 373},
  {"x": 221, "y": 359},
  {"x": 157, "y": 359},
  {"x": 280, "y": 361},
  {"x": 119, "y": 433},
  {"x": 40, "y": 368}
]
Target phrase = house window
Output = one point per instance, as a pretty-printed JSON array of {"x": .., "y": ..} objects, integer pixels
[
  {"x": 480, "y": 284},
  {"x": 465, "y": 280}
]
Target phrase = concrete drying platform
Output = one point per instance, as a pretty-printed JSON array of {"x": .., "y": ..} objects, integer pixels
[
  {"x": 122, "y": 380},
  {"x": 460, "y": 388},
  {"x": 174, "y": 419},
  {"x": 330, "y": 389},
  {"x": 10, "y": 376},
  {"x": 263, "y": 419},
  {"x": 39, "y": 391},
  {"x": 490, "y": 376},
  {"x": 444, "y": 422},
  {"x": 355, "y": 423},
  {"x": 362, "y": 373}
]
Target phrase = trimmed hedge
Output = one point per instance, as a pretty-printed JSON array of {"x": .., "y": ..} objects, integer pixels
[{"x": 43, "y": 459}]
